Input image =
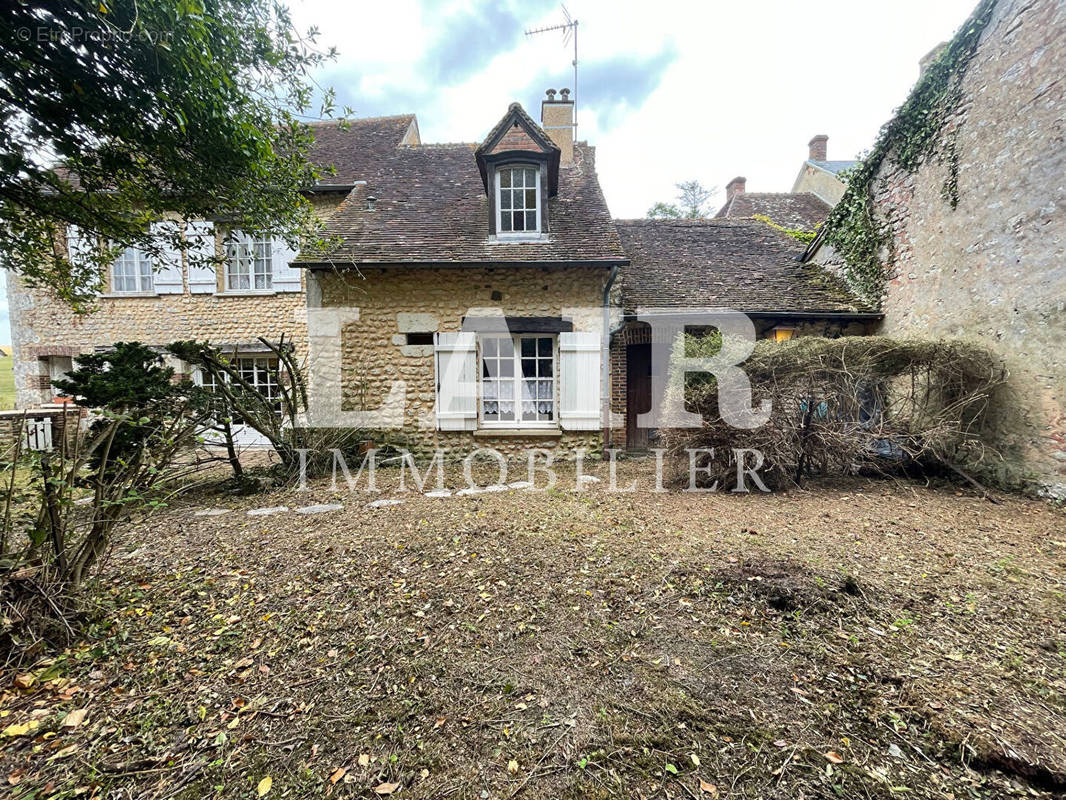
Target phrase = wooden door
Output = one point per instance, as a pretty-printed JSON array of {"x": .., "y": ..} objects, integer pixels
[{"x": 638, "y": 394}]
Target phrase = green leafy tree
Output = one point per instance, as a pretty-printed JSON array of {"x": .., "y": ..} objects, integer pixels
[
  {"x": 690, "y": 203},
  {"x": 129, "y": 381},
  {"x": 664, "y": 211},
  {"x": 119, "y": 113}
]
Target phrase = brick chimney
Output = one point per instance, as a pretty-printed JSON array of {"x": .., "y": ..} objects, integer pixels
[
  {"x": 557, "y": 119},
  {"x": 817, "y": 148},
  {"x": 735, "y": 187}
]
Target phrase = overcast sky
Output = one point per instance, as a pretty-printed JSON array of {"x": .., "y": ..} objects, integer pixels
[{"x": 668, "y": 91}]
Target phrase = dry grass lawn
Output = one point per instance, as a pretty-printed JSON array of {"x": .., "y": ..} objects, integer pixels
[{"x": 880, "y": 640}]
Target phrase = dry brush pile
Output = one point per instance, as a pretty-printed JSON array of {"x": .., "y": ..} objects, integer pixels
[{"x": 853, "y": 403}]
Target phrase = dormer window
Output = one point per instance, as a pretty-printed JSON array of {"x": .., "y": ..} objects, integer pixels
[{"x": 518, "y": 201}]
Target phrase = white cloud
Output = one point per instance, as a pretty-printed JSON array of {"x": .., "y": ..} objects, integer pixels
[{"x": 750, "y": 84}]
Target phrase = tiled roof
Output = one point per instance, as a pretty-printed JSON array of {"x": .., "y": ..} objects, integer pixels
[
  {"x": 349, "y": 149},
  {"x": 835, "y": 167},
  {"x": 498, "y": 129},
  {"x": 430, "y": 207},
  {"x": 742, "y": 264},
  {"x": 799, "y": 210},
  {"x": 353, "y": 149}
]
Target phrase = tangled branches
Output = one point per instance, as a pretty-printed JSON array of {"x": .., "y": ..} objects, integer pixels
[{"x": 844, "y": 404}]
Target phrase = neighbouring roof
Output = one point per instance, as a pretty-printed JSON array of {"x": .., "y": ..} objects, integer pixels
[
  {"x": 349, "y": 147},
  {"x": 795, "y": 210},
  {"x": 836, "y": 167},
  {"x": 430, "y": 207},
  {"x": 352, "y": 148},
  {"x": 741, "y": 264}
]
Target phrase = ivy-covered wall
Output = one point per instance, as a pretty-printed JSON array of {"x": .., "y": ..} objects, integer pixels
[{"x": 955, "y": 223}]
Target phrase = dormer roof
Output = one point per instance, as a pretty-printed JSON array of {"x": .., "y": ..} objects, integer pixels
[{"x": 517, "y": 137}]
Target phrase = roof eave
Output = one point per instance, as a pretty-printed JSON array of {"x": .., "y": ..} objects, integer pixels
[{"x": 353, "y": 264}]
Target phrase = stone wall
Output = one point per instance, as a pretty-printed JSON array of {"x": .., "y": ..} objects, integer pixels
[
  {"x": 993, "y": 269},
  {"x": 392, "y": 302},
  {"x": 42, "y": 326}
]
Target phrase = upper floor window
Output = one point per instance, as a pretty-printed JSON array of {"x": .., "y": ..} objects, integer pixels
[
  {"x": 517, "y": 200},
  {"x": 249, "y": 264},
  {"x": 131, "y": 273}
]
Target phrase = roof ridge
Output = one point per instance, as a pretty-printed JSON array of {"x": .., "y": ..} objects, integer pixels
[
  {"x": 323, "y": 123},
  {"x": 689, "y": 223},
  {"x": 779, "y": 194}
]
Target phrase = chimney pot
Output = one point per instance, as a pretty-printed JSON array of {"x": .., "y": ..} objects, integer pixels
[
  {"x": 817, "y": 148},
  {"x": 735, "y": 187},
  {"x": 557, "y": 119}
]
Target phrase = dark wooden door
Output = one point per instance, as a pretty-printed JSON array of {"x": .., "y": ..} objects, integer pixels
[{"x": 638, "y": 394}]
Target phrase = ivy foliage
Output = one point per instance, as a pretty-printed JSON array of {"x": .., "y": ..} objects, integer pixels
[
  {"x": 909, "y": 139},
  {"x": 117, "y": 114},
  {"x": 798, "y": 234}
]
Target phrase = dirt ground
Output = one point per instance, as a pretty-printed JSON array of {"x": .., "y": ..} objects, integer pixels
[{"x": 876, "y": 640}]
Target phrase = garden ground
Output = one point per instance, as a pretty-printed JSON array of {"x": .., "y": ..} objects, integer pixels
[{"x": 876, "y": 640}]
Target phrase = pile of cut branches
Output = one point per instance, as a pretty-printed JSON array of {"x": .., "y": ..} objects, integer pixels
[{"x": 853, "y": 403}]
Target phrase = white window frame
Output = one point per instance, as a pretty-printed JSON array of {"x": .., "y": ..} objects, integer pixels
[
  {"x": 59, "y": 368},
  {"x": 500, "y": 232},
  {"x": 262, "y": 372},
  {"x": 517, "y": 382},
  {"x": 249, "y": 259},
  {"x": 138, "y": 270}
]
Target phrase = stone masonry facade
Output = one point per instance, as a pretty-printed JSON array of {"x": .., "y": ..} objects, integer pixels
[
  {"x": 44, "y": 327},
  {"x": 993, "y": 269},
  {"x": 395, "y": 301}
]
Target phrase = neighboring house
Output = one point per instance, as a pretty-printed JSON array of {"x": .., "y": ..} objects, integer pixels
[
  {"x": 256, "y": 292},
  {"x": 443, "y": 244},
  {"x": 801, "y": 211},
  {"x": 820, "y": 176},
  {"x": 991, "y": 269},
  {"x": 738, "y": 264}
]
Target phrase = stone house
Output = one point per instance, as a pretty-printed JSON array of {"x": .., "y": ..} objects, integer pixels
[
  {"x": 472, "y": 295},
  {"x": 820, "y": 176},
  {"x": 255, "y": 293},
  {"x": 817, "y": 188},
  {"x": 467, "y": 288},
  {"x": 976, "y": 232}
]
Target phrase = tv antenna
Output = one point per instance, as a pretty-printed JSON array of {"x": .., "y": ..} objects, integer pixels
[{"x": 569, "y": 29}]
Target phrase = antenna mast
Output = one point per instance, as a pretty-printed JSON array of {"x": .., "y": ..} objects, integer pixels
[{"x": 569, "y": 29}]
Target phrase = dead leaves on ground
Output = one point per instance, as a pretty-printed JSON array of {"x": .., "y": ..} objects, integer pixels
[{"x": 460, "y": 639}]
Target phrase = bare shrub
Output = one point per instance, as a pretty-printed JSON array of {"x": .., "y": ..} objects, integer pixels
[{"x": 840, "y": 405}]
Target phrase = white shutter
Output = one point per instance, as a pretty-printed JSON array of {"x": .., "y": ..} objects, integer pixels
[
  {"x": 456, "y": 355},
  {"x": 579, "y": 381},
  {"x": 166, "y": 273},
  {"x": 200, "y": 249},
  {"x": 79, "y": 246},
  {"x": 285, "y": 278},
  {"x": 79, "y": 249}
]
